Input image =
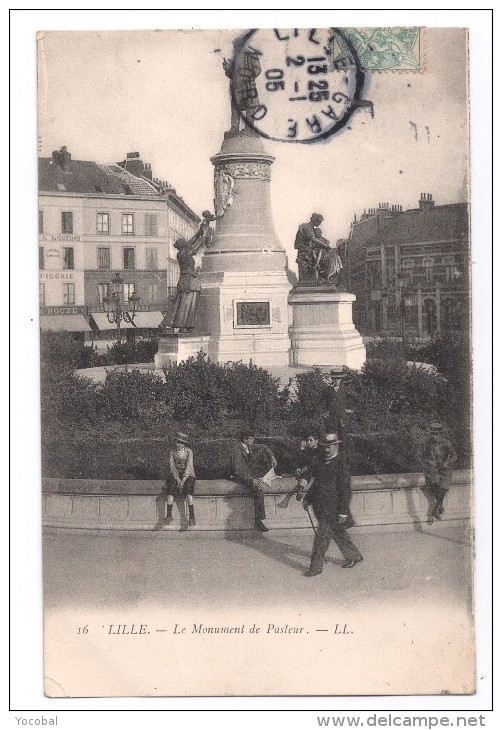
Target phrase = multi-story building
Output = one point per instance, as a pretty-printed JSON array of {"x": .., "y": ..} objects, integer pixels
[
  {"x": 96, "y": 221},
  {"x": 409, "y": 269}
]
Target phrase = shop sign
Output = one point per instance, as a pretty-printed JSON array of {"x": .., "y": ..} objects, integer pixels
[
  {"x": 64, "y": 310},
  {"x": 63, "y": 237},
  {"x": 61, "y": 275}
]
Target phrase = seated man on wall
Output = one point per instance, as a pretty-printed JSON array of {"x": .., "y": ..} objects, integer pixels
[{"x": 253, "y": 466}]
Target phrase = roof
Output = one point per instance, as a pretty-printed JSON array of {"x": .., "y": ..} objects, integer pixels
[
  {"x": 362, "y": 230},
  {"x": 441, "y": 222},
  {"x": 90, "y": 178},
  {"x": 138, "y": 185}
]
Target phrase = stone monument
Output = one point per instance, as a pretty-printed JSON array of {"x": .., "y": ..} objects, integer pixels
[
  {"x": 242, "y": 309},
  {"x": 239, "y": 305},
  {"x": 322, "y": 331}
]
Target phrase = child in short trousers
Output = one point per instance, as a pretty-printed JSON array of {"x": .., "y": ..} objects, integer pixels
[{"x": 180, "y": 477}]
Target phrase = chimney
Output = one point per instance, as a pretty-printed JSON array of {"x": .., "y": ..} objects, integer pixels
[
  {"x": 62, "y": 158},
  {"x": 133, "y": 164},
  {"x": 147, "y": 171},
  {"x": 426, "y": 202}
]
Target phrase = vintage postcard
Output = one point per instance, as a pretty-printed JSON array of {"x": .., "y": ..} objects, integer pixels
[{"x": 255, "y": 323}]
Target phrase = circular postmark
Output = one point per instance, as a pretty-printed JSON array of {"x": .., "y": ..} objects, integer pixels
[{"x": 296, "y": 85}]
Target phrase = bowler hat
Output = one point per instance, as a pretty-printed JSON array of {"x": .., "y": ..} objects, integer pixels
[
  {"x": 245, "y": 434},
  {"x": 335, "y": 373},
  {"x": 181, "y": 438},
  {"x": 330, "y": 438}
]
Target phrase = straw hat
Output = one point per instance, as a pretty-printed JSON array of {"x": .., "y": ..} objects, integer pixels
[
  {"x": 181, "y": 438},
  {"x": 330, "y": 438}
]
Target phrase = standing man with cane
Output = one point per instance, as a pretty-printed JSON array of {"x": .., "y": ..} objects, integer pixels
[{"x": 329, "y": 496}]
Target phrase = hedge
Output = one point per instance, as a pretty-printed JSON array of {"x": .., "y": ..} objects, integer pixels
[
  {"x": 121, "y": 428},
  {"x": 390, "y": 453}
]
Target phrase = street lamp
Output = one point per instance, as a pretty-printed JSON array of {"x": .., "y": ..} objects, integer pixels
[
  {"x": 402, "y": 307},
  {"x": 117, "y": 308}
]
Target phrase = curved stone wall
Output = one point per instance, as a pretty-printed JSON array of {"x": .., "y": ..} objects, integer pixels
[{"x": 386, "y": 500}]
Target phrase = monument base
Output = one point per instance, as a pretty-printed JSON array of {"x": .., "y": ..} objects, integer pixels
[
  {"x": 322, "y": 331},
  {"x": 174, "y": 348},
  {"x": 246, "y": 313}
]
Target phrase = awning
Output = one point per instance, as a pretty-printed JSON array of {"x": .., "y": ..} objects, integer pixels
[
  {"x": 63, "y": 323},
  {"x": 148, "y": 320},
  {"x": 103, "y": 324},
  {"x": 142, "y": 320}
]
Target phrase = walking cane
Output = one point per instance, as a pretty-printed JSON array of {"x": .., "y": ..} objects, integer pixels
[
  {"x": 313, "y": 526},
  {"x": 311, "y": 521}
]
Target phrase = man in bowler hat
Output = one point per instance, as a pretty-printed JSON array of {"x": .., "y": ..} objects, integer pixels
[
  {"x": 333, "y": 404},
  {"x": 329, "y": 496},
  {"x": 438, "y": 457}
]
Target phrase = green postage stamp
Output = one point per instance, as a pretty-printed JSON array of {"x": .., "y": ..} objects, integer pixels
[{"x": 387, "y": 49}]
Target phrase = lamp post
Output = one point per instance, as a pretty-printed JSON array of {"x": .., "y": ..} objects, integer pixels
[
  {"x": 402, "y": 307},
  {"x": 117, "y": 308}
]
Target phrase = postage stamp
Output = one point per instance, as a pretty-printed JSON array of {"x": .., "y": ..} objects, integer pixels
[{"x": 387, "y": 49}]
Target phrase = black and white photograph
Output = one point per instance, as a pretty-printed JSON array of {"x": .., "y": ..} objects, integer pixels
[{"x": 256, "y": 361}]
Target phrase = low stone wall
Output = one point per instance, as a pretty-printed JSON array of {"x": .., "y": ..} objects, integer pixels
[{"x": 384, "y": 499}]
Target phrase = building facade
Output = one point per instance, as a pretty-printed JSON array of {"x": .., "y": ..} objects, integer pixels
[
  {"x": 410, "y": 269},
  {"x": 97, "y": 221}
]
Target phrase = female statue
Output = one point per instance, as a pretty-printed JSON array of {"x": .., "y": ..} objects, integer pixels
[{"x": 188, "y": 288}]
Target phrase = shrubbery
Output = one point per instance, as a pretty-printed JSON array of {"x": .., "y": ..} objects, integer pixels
[
  {"x": 129, "y": 352},
  {"x": 137, "y": 411},
  {"x": 127, "y": 395},
  {"x": 201, "y": 392},
  {"x": 62, "y": 351},
  {"x": 67, "y": 400}
]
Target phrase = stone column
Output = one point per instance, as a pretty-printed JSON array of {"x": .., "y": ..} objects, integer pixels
[{"x": 244, "y": 286}]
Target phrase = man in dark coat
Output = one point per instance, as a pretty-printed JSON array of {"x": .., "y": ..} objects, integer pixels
[
  {"x": 329, "y": 496},
  {"x": 438, "y": 457},
  {"x": 249, "y": 465},
  {"x": 333, "y": 405}
]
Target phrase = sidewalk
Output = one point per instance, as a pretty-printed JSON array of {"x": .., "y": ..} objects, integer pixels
[{"x": 104, "y": 569}]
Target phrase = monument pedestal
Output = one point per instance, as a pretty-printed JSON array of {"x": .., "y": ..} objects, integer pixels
[
  {"x": 322, "y": 331},
  {"x": 174, "y": 348},
  {"x": 244, "y": 285},
  {"x": 246, "y": 315}
]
